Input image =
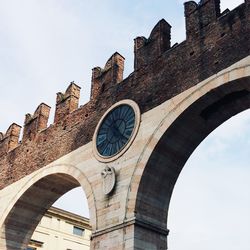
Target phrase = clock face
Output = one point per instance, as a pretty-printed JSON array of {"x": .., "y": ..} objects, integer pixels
[{"x": 115, "y": 130}]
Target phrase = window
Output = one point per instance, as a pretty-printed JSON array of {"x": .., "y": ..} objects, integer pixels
[
  {"x": 78, "y": 231},
  {"x": 34, "y": 244}
]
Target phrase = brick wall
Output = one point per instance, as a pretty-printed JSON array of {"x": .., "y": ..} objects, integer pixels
[{"x": 214, "y": 41}]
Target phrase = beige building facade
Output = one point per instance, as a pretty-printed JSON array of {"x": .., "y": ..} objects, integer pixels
[{"x": 61, "y": 230}]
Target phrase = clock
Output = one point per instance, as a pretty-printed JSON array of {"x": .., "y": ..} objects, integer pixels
[{"x": 116, "y": 130}]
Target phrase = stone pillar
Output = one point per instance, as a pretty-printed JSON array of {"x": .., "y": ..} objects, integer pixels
[{"x": 132, "y": 234}]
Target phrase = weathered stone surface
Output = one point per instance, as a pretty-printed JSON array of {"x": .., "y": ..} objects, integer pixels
[
  {"x": 224, "y": 41},
  {"x": 183, "y": 92}
]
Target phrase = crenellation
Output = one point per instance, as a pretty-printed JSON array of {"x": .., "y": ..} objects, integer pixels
[
  {"x": 198, "y": 16},
  {"x": 95, "y": 82},
  {"x": 190, "y": 7},
  {"x": 159, "y": 41},
  {"x": 44, "y": 110},
  {"x": 73, "y": 90},
  {"x": 10, "y": 139},
  {"x": 67, "y": 102},
  {"x": 139, "y": 42},
  {"x": 173, "y": 87},
  {"x": 36, "y": 122},
  {"x": 225, "y": 12},
  {"x": 247, "y": 4},
  {"x": 107, "y": 77},
  {"x": 211, "y": 9},
  {"x": 232, "y": 21},
  {"x": 161, "y": 72}
]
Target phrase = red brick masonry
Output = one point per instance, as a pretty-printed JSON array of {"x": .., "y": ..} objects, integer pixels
[{"x": 214, "y": 41}]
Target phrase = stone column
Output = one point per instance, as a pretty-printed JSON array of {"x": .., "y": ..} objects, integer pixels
[{"x": 132, "y": 234}]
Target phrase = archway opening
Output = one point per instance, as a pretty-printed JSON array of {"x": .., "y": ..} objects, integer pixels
[
  {"x": 30, "y": 208},
  {"x": 74, "y": 201},
  {"x": 178, "y": 142},
  {"x": 210, "y": 205}
]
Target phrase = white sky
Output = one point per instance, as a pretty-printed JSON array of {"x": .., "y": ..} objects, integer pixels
[{"x": 44, "y": 45}]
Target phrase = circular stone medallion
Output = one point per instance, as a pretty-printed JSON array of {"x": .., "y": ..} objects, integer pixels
[{"x": 116, "y": 130}]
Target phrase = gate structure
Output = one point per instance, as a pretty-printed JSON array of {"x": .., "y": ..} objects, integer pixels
[{"x": 128, "y": 144}]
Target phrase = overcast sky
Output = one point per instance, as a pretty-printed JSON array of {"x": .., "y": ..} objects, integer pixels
[{"x": 46, "y": 44}]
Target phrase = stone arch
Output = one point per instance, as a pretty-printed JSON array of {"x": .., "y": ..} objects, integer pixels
[
  {"x": 193, "y": 117},
  {"x": 34, "y": 198}
]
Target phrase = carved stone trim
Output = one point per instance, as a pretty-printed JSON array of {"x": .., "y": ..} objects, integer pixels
[
  {"x": 132, "y": 221},
  {"x": 134, "y": 133},
  {"x": 108, "y": 179}
]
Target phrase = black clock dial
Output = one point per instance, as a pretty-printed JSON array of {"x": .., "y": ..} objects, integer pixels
[{"x": 115, "y": 130}]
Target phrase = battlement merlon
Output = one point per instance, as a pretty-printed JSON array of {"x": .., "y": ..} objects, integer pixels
[
  {"x": 247, "y": 2},
  {"x": 10, "y": 139},
  {"x": 199, "y": 16},
  {"x": 109, "y": 76},
  {"x": 36, "y": 122},
  {"x": 67, "y": 102},
  {"x": 159, "y": 41},
  {"x": 219, "y": 44}
]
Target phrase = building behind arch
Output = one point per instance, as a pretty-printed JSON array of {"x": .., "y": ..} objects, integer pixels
[{"x": 61, "y": 230}]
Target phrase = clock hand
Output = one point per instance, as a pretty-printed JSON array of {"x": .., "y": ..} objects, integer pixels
[
  {"x": 119, "y": 123},
  {"x": 123, "y": 136},
  {"x": 116, "y": 130}
]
